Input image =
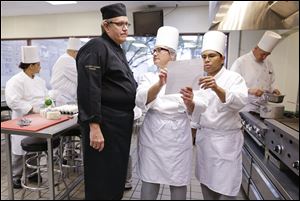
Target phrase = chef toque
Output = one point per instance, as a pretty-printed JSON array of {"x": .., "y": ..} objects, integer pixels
[
  {"x": 113, "y": 10},
  {"x": 74, "y": 44},
  {"x": 30, "y": 54},
  {"x": 269, "y": 41},
  {"x": 214, "y": 40},
  {"x": 167, "y": 36}
]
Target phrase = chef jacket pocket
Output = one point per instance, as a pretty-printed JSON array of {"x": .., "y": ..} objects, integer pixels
[
  {"x": 178, "y": 133},
  {"x": 227, "y": 147},
  {"x": 168, "y": 132}
]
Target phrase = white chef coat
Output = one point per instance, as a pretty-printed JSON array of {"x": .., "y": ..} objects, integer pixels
[
  {"x": 64, "y": 80},
  {"x": 21, "y": 94},
  {"x": 165, "y": 140},
  {"x": 219, "y": 139},
  {"x": 256, "y": 74}
]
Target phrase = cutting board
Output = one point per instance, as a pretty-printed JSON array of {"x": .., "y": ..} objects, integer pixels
[{"x": 37, "y": 123}]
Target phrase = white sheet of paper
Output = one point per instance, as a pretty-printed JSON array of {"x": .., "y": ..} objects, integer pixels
[{"x": 183, "y": 73}]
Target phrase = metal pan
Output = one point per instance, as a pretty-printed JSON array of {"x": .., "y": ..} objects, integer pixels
[{"x": 273, "y": 98}]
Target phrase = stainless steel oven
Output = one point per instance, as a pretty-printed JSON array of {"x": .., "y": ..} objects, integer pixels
[
  {"x": 283, "y": 142},
  {"x": 254, "y": 193},
  {"x": 270, "y": 159},
  {"x": 264, "y": 185}
]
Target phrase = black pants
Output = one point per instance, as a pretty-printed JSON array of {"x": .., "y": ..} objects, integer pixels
[{"x": 105, "y": 171}]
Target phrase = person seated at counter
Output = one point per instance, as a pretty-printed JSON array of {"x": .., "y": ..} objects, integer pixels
[{"x": 24, "y": 93}]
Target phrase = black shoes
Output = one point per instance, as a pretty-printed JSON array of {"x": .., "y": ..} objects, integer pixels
[
  {"x": 33, "y": 178},
  {"x": 70, "y": 158},
  {"x": 128, "y": 185},
  {"x": 17, "y": 183}
]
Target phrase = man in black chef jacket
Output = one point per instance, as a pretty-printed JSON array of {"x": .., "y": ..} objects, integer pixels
[{"x": 106, "y": 98}]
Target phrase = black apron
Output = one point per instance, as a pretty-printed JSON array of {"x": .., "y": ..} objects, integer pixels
[{"x": 106, "y": 95}]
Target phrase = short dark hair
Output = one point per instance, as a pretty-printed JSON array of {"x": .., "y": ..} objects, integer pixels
[{"x": 23, "y": 66}]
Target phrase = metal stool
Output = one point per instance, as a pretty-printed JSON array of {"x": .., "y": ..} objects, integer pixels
[
  {"x": 71, "y": 149},
  {"x": 36, "y": 150},
  {"x": 5, "y": 115}
]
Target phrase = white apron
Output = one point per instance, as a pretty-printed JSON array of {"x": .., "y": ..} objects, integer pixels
[
  {"x": 21, "y": 94},
  {"x": 219, "y": 160},
  {"x": 165, "y": 149}
]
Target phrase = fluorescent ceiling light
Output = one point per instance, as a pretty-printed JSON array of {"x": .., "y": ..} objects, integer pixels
[
  {"x": 61, "y": 2},
  {"x": 189, "y": 45},
  {"x": 139, "y": 45},
  {"x": 189, "y": 38},
  {"x": 85, "y": 40},
  {"x": 129, "y": 38}
]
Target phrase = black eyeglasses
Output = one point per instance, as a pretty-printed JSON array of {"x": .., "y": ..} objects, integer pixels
[
  {"x": 120, "y": 24},
  {"x": 209, "y": 56},
  {"x": 159, "y": 49}
]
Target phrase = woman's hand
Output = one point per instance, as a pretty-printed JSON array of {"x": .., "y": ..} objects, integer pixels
[
  {"x": 162, "y": 77},
  {"x": 155, "y": 89}
]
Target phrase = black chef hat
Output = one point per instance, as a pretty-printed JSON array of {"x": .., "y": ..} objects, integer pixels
[{"x": 113, "y": 10}]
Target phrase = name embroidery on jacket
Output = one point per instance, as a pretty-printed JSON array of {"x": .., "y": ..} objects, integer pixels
[{"x": 91, "y": 67}]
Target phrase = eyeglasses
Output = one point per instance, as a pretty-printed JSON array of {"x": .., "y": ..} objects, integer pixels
[
  {"x": 120, "y": 24},
  {"x": 209, "y": 56},
  {"x": 159, "y": 49}
]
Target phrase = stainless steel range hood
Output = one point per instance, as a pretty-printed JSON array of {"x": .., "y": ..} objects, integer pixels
[{"x": 254, "y": 15}]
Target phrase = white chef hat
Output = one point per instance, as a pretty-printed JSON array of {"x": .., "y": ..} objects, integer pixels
[
  {"x": 74, "y": 44},
  {"x": 269, "y": 41},
  {"x": 214, "y": 40},
  {"x": 167, "y": 36},
  {"x": 30, "y": 54}
]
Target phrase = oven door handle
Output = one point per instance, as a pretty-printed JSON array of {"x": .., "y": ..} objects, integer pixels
[{"x": 254, "y": 138}]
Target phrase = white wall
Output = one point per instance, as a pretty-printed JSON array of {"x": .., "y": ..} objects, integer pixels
[
  {"x": 88, "y": 23},
  {"x": 285, "y": 59},
  {"x": 59, "y": 25},
  {"x": 233, "y": 47},
  {"x": 188, "y": 19}
]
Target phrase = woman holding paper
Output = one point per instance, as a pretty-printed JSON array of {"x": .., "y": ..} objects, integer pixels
[
  {"x": 165, "y": 140},
  {"x": 219, "y": 138}
]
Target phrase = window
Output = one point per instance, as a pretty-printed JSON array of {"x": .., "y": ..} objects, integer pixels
[
  {"x": 50, "y": 51},
  {"x": 10, "y": 59},
  {"x": 138, "y": 52}
]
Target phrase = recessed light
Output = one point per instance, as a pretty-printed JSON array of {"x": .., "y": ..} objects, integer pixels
[
  {"x": 129, "y": 38},
  {"x": 139, "y": 45},
  {"x": 61, "y": 2}
]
